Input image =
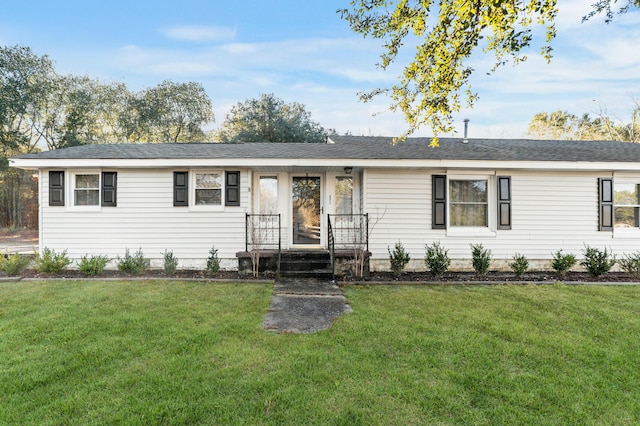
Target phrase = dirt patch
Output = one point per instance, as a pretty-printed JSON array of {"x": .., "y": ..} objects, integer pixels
[{"x": 18, "y": 237}]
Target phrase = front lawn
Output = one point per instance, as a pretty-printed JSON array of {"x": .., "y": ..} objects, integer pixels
[{"x": 155, "y": 352}]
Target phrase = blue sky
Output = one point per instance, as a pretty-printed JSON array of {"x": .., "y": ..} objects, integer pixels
[{"x": 303, "y": 52}]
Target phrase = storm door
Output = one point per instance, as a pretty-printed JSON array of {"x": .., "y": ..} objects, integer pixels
[{"x": 306, "y": 210}]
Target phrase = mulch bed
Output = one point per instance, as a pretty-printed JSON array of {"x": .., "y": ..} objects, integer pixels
[{"x": 374, "y": 277}]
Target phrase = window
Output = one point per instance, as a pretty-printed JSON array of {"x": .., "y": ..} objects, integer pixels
[
  {"x": 468, "y": 203},
  {"x": 474, "y": 202},
  {"x": 208, "y": 188},
  {"x": 93, "y": 189},
  {"x": 626, "y": 205},
  {"x": 86, "y": 190},
  {"x": 268, "y": 192},
  {"x": 344, "y": 195}
]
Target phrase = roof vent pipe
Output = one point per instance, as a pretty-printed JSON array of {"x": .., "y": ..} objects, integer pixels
[{"x": 466, "y": 129}]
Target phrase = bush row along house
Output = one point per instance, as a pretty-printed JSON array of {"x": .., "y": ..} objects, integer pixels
[{"x": 512, "y": 196}]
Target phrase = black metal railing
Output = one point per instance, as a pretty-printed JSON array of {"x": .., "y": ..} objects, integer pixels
[
  {"x": 347, "y": 232},
  {"x": 350, "y": 231},
  {"x": 331, "y": 245},
  {"x": 263, "y": 232}
]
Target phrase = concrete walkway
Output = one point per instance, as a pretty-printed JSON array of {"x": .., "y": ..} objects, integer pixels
[{"x": 304, "y": 306}]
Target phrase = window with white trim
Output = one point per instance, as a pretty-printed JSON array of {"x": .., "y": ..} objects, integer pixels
[
  {"x": 208, "y": 188},
  {"x": 626, "y": 205},
  {"x": 468, "y": 202},
  {"x": 480, "y": 203},
  {"x": 86, "y": 189}
]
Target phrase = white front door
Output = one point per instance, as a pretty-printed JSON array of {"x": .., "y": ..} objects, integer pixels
[{"x": 306, "y": 210}]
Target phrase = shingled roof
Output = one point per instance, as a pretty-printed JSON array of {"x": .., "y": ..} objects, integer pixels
[{"x": 359, "y": 147}]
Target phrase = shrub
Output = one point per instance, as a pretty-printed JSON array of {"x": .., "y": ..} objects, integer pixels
[
  {"x": 398, "y": 258},
  {"x": 437, "y": 259},
  {"x": 170, "y": 262},
  {"x": 563, "y": 262},
  {"x": 597, "y": 262},
  {"x": 519, "y": 265},
  {"x": 51, "y": 262},
  {"x": 135, "y": 264},
  {"x": 213, "y": 263},
  {"x": 631, "y": 264},
  {"x": 93, "y": 265},
  {"x": 480, "y": 258},
  {"x": 13, "y": 264}
]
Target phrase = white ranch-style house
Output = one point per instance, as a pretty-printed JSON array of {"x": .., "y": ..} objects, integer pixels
[{"x": 512, "y": 196}]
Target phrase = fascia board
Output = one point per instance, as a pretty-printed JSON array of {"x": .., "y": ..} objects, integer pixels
[{"x": 37, "y": 163}]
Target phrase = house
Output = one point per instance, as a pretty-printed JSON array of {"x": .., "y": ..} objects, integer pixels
[{"x": 513, "y": 196}]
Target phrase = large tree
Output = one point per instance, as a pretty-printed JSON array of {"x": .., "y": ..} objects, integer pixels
[
  {"x": 174, "y": 112},
  {"x": 444, "y": 34},
  {"x": 269, "y": 119}
]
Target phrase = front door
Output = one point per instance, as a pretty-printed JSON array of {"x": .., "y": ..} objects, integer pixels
[{"x": 306, "y": 210}]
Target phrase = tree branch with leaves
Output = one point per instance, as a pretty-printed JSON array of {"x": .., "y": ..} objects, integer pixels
[{"x": 444, "y": 35}]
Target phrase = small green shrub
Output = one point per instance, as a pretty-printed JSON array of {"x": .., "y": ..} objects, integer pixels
[
  {"x": 597, "y": 262},
  {"x": 437, "y": 259},
  {"x": 631, "y": 264},
  {"x": 13, "y": 264},
  {"x": 480, "y": 259},
  {"x": 398, "y": 258},
  {"x": 561, "y": 263},
  {"x": 519, "y": 265},
  {"x": 93, "y": 265},
  {"x": 132, "y": 264},
  {"x": 213, "y": 263},
  {"x": 51, "y": 262},
  {"x": 170, "y": 262}
]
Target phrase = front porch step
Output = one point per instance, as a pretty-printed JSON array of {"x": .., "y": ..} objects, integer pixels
[{"x": 306, "y": 264}]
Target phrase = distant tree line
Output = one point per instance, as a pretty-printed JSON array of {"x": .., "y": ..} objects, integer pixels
[{"x": 562, "y": 125}]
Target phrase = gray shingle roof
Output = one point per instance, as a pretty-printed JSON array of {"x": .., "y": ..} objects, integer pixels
[{"x": 358, "y": 147}]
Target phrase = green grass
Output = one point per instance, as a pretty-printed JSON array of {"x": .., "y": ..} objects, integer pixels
[{"x": 153, "y": 352}]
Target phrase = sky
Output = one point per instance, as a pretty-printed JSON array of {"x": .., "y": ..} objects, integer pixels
[{"x": 302, "y": 51}]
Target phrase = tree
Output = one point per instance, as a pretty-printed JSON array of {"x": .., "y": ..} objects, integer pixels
[
  {"x": 25, "y": 82},
  {"x": 176, "y": 112},
  {"x": 561, "y": 125},
  {"x": 269, "y": 119},
  {"x": 445, "y": 34}
]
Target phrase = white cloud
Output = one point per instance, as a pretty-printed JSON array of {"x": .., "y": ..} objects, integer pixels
[{"x": 200, "y": 34}]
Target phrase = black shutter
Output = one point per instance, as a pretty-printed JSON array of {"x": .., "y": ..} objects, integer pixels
[
  {"x": 232, "y": 189},
  {"x": 56, "y": 188},
  {"x": 439, "y": 204},
  {"x": 605, "y": 205},
  {"x": 636, "y": 210},
  {"x": 181, "y": 189},
  {"x": 109, "y": 189},
  {"x": 504, "y": 202}
]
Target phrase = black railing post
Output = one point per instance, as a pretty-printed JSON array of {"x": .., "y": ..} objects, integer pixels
[
  {"x": 366, "y": 230},
  {"x": 246, "y": 233}
]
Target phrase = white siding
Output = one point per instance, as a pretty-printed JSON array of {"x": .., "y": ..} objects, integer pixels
[
  {"x": 550, "y": 211},
  {"x": 146, "y": 218}
]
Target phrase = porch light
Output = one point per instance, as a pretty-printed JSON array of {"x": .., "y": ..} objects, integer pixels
[{"x": 348, "y": 170}]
